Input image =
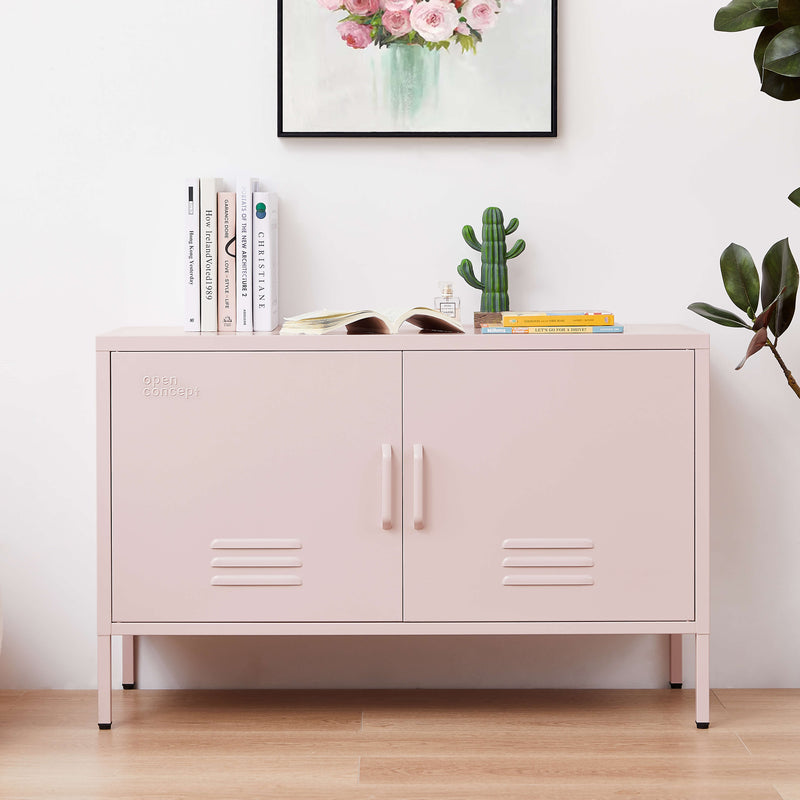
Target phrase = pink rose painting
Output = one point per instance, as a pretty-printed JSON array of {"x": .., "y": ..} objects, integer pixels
[
  {"x": 355, "y": 35},
  {"x": 362, "y": 8},
  {"x": 480, "y": 14},
  {"x": 454, "y": 67},
  {"x": 397, "y": 23},
  {"x": 433, "y": 24},
  {"x": 434, "y": 20},
  {"x": 397, "y": 5}
]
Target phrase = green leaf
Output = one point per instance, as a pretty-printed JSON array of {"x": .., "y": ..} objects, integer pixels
[
  {"x": 780, "y": 87},
  {"x": 718, "y": 315},
  {"x": 762, "y": 320},
  {"x": 739, "y": 15},
  {"x": 783, "y": 53},
  {"x": 740, "y": 276},
  {"x": 779, "y": 277},
  {"x": 795, "y": 197},
  {"x": 764, "y": 38},
  {"x": 756, "y": 343},
  {"x": 789, "y": 11},
  {"x": 467, "y": 43}
]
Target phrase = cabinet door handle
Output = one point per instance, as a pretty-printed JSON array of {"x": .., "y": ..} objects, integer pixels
[
  {"x": 418, "y": 482},
  {"x": 386, "y": 487}
]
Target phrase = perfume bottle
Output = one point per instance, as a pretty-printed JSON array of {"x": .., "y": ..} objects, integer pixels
[{"x": 447, "y": 302}]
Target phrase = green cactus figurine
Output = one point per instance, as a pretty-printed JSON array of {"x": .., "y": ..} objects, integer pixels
[{"x": 494, "y": 272}]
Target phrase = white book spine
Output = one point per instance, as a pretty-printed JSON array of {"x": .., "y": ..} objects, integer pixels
[
  {"x": 244, "y": 264},
  {"x": 266, "y": 316},
  {"x": 208, "y": 227},
  {"x": 191, "y": 273}
]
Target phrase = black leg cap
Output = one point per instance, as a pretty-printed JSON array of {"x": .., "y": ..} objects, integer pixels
[
  {"x": 675, "y": 685},
  {"x": 104, "y": 726},
  {"x": 702, "y": 725},
  {"x": 128, "y": 685}
]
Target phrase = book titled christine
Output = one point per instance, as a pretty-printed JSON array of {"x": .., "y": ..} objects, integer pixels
[{"x": 428, "y": 320}]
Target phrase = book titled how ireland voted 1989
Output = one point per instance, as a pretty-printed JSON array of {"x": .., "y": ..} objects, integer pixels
[{"x": 208, "y": 272}]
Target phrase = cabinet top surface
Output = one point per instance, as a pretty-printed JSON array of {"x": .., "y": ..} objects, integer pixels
[{"x": 635, "y": 337}]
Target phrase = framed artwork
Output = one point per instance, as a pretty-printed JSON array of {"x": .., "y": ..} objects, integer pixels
[{"x": 417, "y": 67}]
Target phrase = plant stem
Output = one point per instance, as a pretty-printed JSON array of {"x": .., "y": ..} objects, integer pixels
[{"x": 790, "y": 379}]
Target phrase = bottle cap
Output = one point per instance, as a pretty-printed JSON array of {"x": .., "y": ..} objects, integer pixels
[{"x": 446, "y": 288}]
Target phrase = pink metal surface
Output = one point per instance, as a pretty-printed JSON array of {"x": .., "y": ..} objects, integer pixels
[
  {"x": 397, "y": 628},
  {"x": 702, "y": 692},
  {"x": 676, "y": 658},
  {"x": 207, "y": 446},
  {"x": 128, "y": 660},
  {"x": 387, "y": 515},
  {"x": 636, "y": 337},
  {"x": 702, "y": 490},
  {"x": 581, "y": 458},
  {"x": 104, "y": 680},
  {"x": 563, "y": 444},
  {"x": 103, "y": 388},
  {"x": 418, "y": 455}
]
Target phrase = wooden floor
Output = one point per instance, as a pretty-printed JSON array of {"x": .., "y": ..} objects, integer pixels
[{"x": 414, "y": 745}]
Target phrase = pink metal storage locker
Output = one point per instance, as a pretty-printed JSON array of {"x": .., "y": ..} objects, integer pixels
[{"x": 405, "y": 484}]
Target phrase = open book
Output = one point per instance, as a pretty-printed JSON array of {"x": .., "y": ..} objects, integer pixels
[{"x": 324, "y": 321}]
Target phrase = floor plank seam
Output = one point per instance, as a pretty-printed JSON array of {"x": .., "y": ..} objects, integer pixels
[
  {"x": 749, "y": 751},
  {"x": 718, "y": 698}
]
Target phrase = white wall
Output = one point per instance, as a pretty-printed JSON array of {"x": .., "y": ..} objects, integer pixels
[{"x": 666, "y": 152}]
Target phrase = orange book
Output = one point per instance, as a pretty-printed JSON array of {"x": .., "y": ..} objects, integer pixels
[{"x": 534, "y": 318}]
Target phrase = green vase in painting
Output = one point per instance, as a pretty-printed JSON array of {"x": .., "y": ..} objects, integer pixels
[{"x": 411, "y": 81}]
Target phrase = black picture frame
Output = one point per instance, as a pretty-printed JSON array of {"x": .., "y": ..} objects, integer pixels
[{"x": 301, "y": 67}]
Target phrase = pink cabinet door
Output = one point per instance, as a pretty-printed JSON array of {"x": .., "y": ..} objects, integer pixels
[
  {"x": 549, "y": 486},
  {"x": 256, "y": 486}
]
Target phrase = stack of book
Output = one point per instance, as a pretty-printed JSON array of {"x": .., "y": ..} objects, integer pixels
[
  {"x": 231, "y": 264},
  {"x": 555, "y": 322}
]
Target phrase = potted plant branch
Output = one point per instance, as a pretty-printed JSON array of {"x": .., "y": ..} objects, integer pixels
[{"x": 777, "y": 60}]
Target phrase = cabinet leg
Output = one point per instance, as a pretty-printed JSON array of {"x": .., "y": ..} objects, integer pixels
[
  {"x": 128, "y": 662},
  {"x": 104, "y": 682},
  {"x": 702, "y": 683},
  {"x": 676, "y": 660}
]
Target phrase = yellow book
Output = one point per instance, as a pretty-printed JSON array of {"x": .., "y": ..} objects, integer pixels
[{"x": 535, "y": 318}]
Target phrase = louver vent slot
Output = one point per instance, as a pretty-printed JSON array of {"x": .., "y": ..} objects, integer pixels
[
  {"x": 547, "y": 580},
  {"x": 270, "y": 569},
  {"x": 548, "y": 570},
  {"x": 548, "y": 561},
  {"x": 256, "y": 544},
  {"x": 257, "y": 561},
  {"x": 548, "y": 544},
  {"x": 256, "y": 580}
]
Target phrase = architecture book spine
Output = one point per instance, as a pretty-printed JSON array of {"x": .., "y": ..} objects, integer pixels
[
  {"x": 266, "y": 312},
  {"x": 226, "y": 261},
  {"x": 557, "y": 318},
  {"x": 191, "y": 275},
  {"x": 208, "y": 227},
  {"x": 244, "y": 265},
  {"x": 552, "y": 329}
]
